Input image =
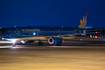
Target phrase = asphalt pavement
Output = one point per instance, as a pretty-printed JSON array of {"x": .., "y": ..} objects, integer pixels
[
  {"x": 51, "y": 57},
  {"x": 72, "y": 55}
]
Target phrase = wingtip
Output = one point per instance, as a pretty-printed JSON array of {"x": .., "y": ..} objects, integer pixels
[{"x": 85, "y": 12}]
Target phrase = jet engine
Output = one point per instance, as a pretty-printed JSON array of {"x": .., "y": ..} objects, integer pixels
[
  {"x": 27, "y": 41},
  {"x": 54, "y": 40}
]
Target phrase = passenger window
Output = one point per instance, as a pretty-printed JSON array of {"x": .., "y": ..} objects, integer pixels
[
  {"x": 9, "y": 31},
  {"x": 22, "y": 29}
]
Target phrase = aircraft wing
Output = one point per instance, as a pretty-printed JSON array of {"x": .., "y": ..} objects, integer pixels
[{"x": 68, "y": 35}]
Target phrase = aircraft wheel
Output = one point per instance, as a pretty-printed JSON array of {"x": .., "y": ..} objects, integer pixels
[
  {"x": 59, "y": 44},
  {"x": 14, "y": 45},
  {"x": 40, "y": 43}
]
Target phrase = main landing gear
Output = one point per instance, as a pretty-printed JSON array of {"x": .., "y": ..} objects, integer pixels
[
  {"x": 40, "y": 43},
  {"x": 59, "y": 44},
  {"x": 14, "y": 44}
]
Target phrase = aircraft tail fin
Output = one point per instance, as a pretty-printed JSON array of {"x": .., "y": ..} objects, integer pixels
[{"x": 83, "y": 21}]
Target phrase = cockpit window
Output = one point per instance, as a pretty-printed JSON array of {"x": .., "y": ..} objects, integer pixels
[{"x": 9, "y": 31}]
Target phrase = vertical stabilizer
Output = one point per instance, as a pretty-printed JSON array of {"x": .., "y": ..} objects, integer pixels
[{"x": 83, "y": 21}]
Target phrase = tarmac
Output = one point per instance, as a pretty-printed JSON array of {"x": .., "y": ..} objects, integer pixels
[
  {"x": 51, "y": 57},
  {"x": 72, "y": 55}
]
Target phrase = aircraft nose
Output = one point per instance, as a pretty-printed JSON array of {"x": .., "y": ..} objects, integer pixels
[{"x": 4, "y": 36}]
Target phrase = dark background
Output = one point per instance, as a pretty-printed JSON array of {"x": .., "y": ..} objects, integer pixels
[{"x": 51, "y": 12}]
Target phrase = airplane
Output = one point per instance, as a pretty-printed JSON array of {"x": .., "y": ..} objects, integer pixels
[{"x": 54, "y": 35}]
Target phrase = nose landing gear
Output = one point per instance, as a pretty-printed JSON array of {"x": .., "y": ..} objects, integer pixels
[{"x": 14, "y": 45}]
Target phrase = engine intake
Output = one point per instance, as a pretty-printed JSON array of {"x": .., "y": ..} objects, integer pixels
[{"x": 54, "y": 40}]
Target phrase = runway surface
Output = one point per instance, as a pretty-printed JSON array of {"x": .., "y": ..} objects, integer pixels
[{"x": 32, "y": 57}]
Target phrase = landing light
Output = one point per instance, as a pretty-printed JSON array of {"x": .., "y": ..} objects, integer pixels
[
  {"x": 22, "y": 41},
  {"x": 2, "y": 38},
  {"x": 34, "y": 33},
  {"x": 13, "y": 41}
]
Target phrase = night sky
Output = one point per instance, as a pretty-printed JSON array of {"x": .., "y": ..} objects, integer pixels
[{"x": 51, "y": 12}]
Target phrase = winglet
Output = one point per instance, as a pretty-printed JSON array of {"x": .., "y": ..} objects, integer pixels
[{"x": 83, "y": 21}]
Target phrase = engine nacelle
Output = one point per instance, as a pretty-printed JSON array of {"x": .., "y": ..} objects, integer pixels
[
  {"x": 54, "y": 40},
  {"x": 27, "y": 41}
]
